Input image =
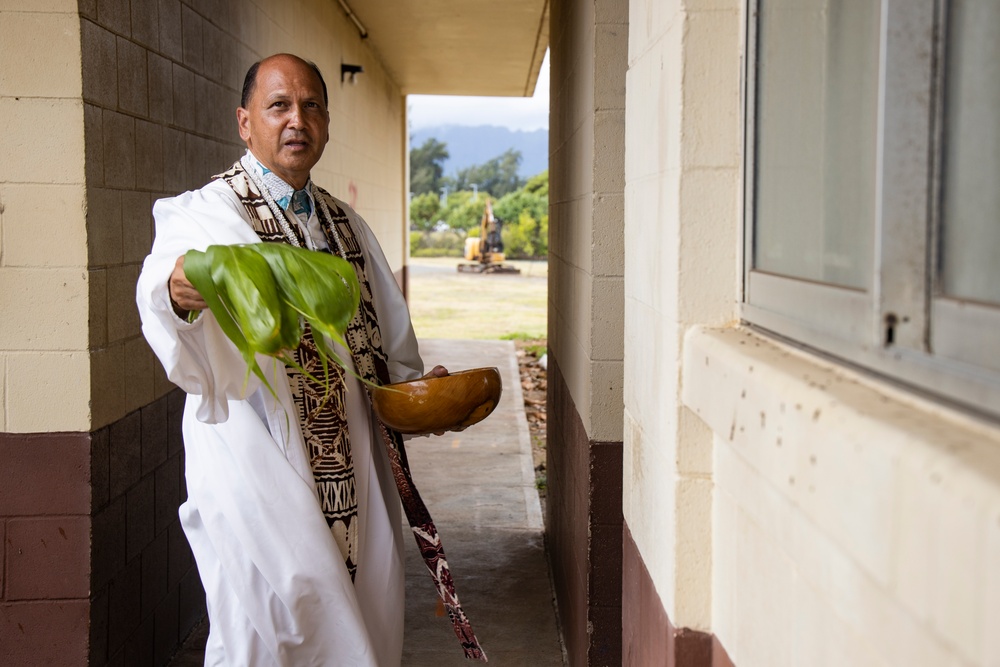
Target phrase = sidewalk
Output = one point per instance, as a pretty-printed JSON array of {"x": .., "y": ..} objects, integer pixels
[{"x": 479, "y": 486}]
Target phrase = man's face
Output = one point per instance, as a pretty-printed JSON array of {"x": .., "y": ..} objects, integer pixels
[{"x": 286, "y": 124}]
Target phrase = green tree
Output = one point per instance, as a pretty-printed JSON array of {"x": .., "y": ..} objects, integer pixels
[
  {"x": 510, "y": 207},
  {"x": 527, "y": 237},
  {"x": 497, "y": 176},
  {"x": 464, "y": 210},
  {"x": 425, "y": 211},
  {"x": 427, "y": 166},
  {"x": 525, "y": 213},
  {"x": 538, "y": 184}
]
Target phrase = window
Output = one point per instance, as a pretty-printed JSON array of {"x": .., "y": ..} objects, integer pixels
[{"x": 872, "y": 200}]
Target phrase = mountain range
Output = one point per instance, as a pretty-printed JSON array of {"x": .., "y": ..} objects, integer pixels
[{"x": 468, "y": 146}]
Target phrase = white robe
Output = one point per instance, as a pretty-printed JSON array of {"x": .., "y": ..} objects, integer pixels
[{"x": 277, "y": 587}]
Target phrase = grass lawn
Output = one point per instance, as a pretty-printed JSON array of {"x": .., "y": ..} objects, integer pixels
[{"x": 445, "y": 303}]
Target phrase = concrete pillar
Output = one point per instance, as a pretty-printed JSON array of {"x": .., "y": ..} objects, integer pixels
[{"x": 586, "y": 137}]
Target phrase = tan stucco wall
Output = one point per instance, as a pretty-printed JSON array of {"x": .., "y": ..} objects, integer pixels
[
  {"x": 44, "y": 364},
  {"x": 585, "y": 194},
  {"x": 104, "y": 109},
  {"x": 803, "y": 513}
]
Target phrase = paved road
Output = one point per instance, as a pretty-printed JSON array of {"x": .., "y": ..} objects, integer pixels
[{"x": 428, "y": 266}]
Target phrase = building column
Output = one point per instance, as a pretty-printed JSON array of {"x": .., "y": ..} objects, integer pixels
[{"x": 589, "y": 43}]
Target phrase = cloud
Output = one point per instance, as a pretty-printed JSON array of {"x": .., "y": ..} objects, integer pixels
[{"x": 516, "y": 113}]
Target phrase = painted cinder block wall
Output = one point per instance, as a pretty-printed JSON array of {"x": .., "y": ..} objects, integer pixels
[
  {"x": 780, "y": 509},
  {"x": 586, "y": 137},
  {"x": 682, "y": 163},
  {"x": 105, "y": 107},
  {"x": 45, "y": 518}
]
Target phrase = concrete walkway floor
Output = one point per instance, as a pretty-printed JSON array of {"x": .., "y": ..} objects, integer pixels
[{"x": 479, "y": 486}]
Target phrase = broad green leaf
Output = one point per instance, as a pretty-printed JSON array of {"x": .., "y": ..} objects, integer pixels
[
  {"x": 198, "y": 270},
  {"x": 320, "y": 286},
  {"x": 323, "y": 288},
  {"x": 258, "y": 293},
  {"x": 210, "y": 273},
  {"x": 247, "y": 287}
]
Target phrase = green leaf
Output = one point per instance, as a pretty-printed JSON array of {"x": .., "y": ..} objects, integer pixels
[
  {"x": 198, "y": 270},
  {"x": 209, "y": 272},
  {"x": 247, "y": 287},
  {"x": 320, "y": 286},
  {"x": 258, "y": 292}
]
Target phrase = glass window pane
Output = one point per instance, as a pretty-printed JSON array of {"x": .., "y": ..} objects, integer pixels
[
  {"x": 816, "y": 121},
  {"x": 970, "y": 234}
]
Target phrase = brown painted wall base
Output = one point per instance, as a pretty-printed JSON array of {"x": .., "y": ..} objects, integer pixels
[
  {"x": 648, "y": 637},
  {"x": 45, "y": 526},
  {"x": 95, "y": 568},
  {"x": 584, "y": 529}
]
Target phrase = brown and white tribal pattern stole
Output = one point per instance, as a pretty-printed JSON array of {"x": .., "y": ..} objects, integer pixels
[
  {"x": 365, "y": 343},
  {"x": 322, "y": 414}
]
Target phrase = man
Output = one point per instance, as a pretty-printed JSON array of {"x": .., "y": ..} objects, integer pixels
[{"x": 292, "y": 510}]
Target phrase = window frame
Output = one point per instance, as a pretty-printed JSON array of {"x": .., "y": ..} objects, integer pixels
[{"x": 902, "y": 328}]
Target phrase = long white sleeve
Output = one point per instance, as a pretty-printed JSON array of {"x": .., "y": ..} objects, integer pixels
[{"x": 198, "y": 357}]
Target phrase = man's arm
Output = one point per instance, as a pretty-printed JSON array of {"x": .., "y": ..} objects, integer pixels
[{"x": 197, "y": 356}]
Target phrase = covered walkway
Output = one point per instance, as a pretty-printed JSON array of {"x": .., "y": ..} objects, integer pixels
[{"x": 479, "y": 486}]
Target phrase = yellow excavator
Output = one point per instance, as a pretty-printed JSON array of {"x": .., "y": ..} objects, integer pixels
[{"x": 486, "y": 250}]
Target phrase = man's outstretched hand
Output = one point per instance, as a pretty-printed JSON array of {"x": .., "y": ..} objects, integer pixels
[
  {"x": 185, "y": 298},
  {"x": 436, "y": 372}
]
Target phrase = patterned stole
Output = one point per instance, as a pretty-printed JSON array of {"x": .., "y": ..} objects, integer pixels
[{"x": 364, "y": 339}]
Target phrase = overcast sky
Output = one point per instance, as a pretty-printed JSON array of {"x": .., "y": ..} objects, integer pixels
[{"x": 516, "y": 113}]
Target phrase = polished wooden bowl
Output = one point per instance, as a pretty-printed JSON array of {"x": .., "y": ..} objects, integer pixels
[{"x": 437, "y": 404}]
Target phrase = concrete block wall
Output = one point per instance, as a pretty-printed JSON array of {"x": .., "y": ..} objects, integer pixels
[
  {"x": 853, "y": 522},
  {"x": 155, "y": 109},
  {"x": 682, "y": 199},
  {"x": 586, "y": 148},
  {"x": 161, "y": 83},
  {"x": 45, "y": 517},
  {"x": 586, "y": 138},
  {"x": 45, "y": 539},
  {"x": 145, "y": 591},
  {"x": 106, "y": 106},
  {"x": 780, "y": 509},
  {"x": 43, "y": 242}
]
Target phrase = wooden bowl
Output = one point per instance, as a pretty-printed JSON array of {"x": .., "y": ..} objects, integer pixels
[{"x": 436, "y": 404}]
